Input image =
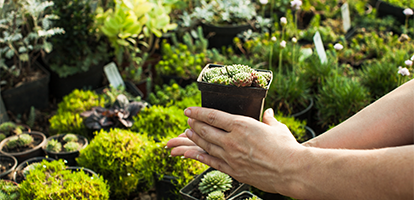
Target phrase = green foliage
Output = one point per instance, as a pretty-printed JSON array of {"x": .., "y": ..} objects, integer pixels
[
  {"x": 173, "y": 93},
  {"x": 26, "y": 27},
  {"x": 170, "y": 118},
  {"x": 339, "y": 98},
  {"x": 296, "y": 127},
  {"x": 71, "y": 146},
  {"x": 215, "y": 181},
  {"x": 117, "y": 155},
  {"x": 8, "y": 190},
  {"x": 29, "y": 168},
  {"x": 70, "y": 137},
  {"x": 53, "y": 146},
  {"x": 216, "y": 195},
  {"x": 51, "y": 180},
  {"x": 77, "y": 49},
  {"x": 401, "y": 3},
  {"x": 67, "y": 118},
  {"x": 158, "y": 161},
  {"x": 10, "y": 128}
]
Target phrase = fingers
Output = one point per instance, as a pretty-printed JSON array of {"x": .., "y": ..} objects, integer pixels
[
  {"x": 180, "y": 141},
  {"x": 209, "y": 160},
  {"x": 181, "y": 150},
  {"x": 212, "y": 117},
  {"x": 269, "y": 118},
  {"x": 207, "y": 137}
]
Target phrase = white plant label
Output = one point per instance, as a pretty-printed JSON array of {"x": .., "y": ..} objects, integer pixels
[
  {"x": 319, "y": 47},
  {"x": 113, "y": 75},
  {"x": 346, "y": 19}
]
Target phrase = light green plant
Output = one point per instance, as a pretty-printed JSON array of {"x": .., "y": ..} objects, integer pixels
[
  {"x": 172, "y": 93},
  {"x": 29, "y": 168},
  {"x": 53, "y": 146},
  {"x": 11, "y": 128},
  {"x": 117, "y": 155},
  {"x": 70, "y": 137},
  {"x": 21, "y": 140},
  {"x": 51, "y": 180},
  {"x": 215, "y": 181},
  {"x": 8, "y": 190},
  {"x": 216, "y": 195},
  {"x": 71, "y": 146}
]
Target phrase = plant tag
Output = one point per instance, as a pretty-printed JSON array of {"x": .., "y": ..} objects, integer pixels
[
  {"x": 346, "y": 19},
  {"x": 112, "y": 73},
  {"x": 319, "y": 47}
]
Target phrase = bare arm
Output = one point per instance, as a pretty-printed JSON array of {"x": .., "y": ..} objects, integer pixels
[{"x": 387, "y": 122}]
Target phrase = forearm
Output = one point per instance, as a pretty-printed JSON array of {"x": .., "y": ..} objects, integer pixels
[
  {"x": 352, "y": 174},
  {"x": 387, "y": 122}
]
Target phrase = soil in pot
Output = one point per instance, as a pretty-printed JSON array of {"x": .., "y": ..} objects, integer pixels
[
  {"x": 24, "y": 152},
  {"x": 7, "y": 165}
]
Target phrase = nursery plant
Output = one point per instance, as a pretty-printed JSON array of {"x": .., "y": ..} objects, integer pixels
[
  {"x": 9, "y": 190},
  {"x": 215, "y": 181},
  {"x": 65, "y": 146},
  {"x": 118, "y": 156},
  {"x": 10, "y": 128},
  {"x": 51, "y": 180}
]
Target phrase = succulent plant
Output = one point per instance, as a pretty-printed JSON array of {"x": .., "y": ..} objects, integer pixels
[
  {"x": 25, "y": 139},
  {"x": 8, "y": 190},
  {"x": 2, "y": 136},
  {"x": 9, "y": 128},
  {"x": 216, "y": 195},
  {"x": 242, "y": 79},
  {"x": 259, "y": 81},
  {"x": 53, "y": 146},
  {"x": 13, "y": 142},
  {"x": 71, "y": 146},
  {"x": 222, "y": 79},
  {"x": 211, "y": 73},
  {"x": 70, "y": 137},
  {"x": 215, "y": 181}
]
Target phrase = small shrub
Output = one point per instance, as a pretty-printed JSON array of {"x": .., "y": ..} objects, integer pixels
[{"x": 51, "y": 180}]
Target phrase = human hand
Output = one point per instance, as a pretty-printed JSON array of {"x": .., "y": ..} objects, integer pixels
[{"x": 248, "y": 150}]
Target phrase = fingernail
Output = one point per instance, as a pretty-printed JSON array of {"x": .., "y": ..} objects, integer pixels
[
  {"x": 187, "y": 112},
  {"x": 189, "y": 133},
  {"x": 189, "y": 121},
  {"x": 199, "y": 157},
  {"x": 270, "y": 111}
]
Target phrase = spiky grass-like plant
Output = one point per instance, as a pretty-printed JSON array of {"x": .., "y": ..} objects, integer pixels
[{"x": 215, "y": 181}]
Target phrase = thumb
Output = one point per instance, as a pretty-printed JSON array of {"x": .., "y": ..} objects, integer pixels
[{"x": 269, "y": 118}]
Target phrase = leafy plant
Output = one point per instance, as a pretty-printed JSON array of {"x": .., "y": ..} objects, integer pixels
[
  {"x": 170, "y": 118},
  {"x": 117, "y": 155},
  {"x": 51, "y": 180},
  {"x": 79, "y": 48},
  {"x": 8, "y": 190},
  {"x": 26, "y": 27},
  {"x": 215, "y": 181}
]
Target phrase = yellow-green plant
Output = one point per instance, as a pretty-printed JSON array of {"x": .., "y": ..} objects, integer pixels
[
  {"x": 8, "y": 190},
  {"x": 215, "y": 181}
]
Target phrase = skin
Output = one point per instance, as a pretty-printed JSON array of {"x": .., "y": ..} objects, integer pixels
[{"x": 369, "y": 156}]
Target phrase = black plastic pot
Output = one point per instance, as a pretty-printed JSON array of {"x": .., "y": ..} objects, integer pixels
[
  {"x": 40, "y": 140},
  {"x": 188, "y": 191},
  {"x": 247, "y": 101},
  {"x": 12, "y": 164},
  {"x": 386, "y": 9},
  {"x": 18, "y": 177},
  {"x": 305, "y": 114},
  {"x": 86, "y": 170},
  {"x": 244, "y": 195},
  {"x": 70, "y": 157},
  {"x": 165, "y": 187},
  {"x": 35, "y": 93},
  {"x": 219, "y": 36}
]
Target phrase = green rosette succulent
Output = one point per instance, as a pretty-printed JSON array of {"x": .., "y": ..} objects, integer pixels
[
  {"x": 222, "y": 79},
  {"x": 71, "y": 146},
  {"x": 70, "y": 137},
  {"x": 211, "y": 73},
  {"x": 53, "y": 146},
  {"x": 242, "y": 79},
  {"x": 25, "y": 140},
  {"x": 8, "y": 190},
  {"x": 216, "y": 195},
  {"x": 215, "y": 181}
]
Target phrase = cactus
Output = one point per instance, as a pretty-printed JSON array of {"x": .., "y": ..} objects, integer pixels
[
  {"x": 215, "y": 181},
  {"x": 216, "y": 195},
  {"x": 242, "y": 79},
  {"x": 53, "y": 146},
  {"x": 25, "y": 139},
  {"x": 70, "y": 137},
  {"x": 224, "y": 80},
  {"x": 71, "y": 146}
]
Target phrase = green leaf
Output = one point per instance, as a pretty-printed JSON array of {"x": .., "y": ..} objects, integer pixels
[{"x": 24, "y": 57}]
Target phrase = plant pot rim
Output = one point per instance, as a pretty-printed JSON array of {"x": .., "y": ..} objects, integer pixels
[
  {"x": 305, "y": 110},
  {"x": 11, "y": 169},
  {"x": 86, "y": 170},
  {"x": 37, "y": 133},
  {"x": 27, "y": 162},
  {"x": 58, "y": 136}
]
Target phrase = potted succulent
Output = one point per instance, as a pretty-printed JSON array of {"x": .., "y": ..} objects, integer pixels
[
  {"x": 222, "y": 20},
  {"x": 117, "y": 155},
  {"x": 11, "y": 128},
  {"x": 237, "y": 89},
  {"x": 9, "y": 190},
  {"x": 24, "y": 168},
  {"x": 26, "y": 29},
  {"x": 24, "y": 146},
  {"x": 78, "y": 56},
  {"x": 52, "y": 180},
  {"x": 7, "y": 165},
  {"x": 211, "y": 181},
  {"x": 65, "y": 146}
]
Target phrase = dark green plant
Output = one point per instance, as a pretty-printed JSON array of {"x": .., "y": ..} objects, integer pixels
[
  {"x": 339, "y": 98},
  {"x": 170, "y": 118},
  {"x": 117, "y": 155},
  {"x": 9, "y": 190},
  {"x": 215, "y": 181},
  {"x": 51, "y": 180},
  {"x": 53, "y": 146},
  {"x": 78, "y": 49},
  {"x": 71, "y": 146},
  {"x": 159, "y": 162},
  {"x": 216, "y": 195}
]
